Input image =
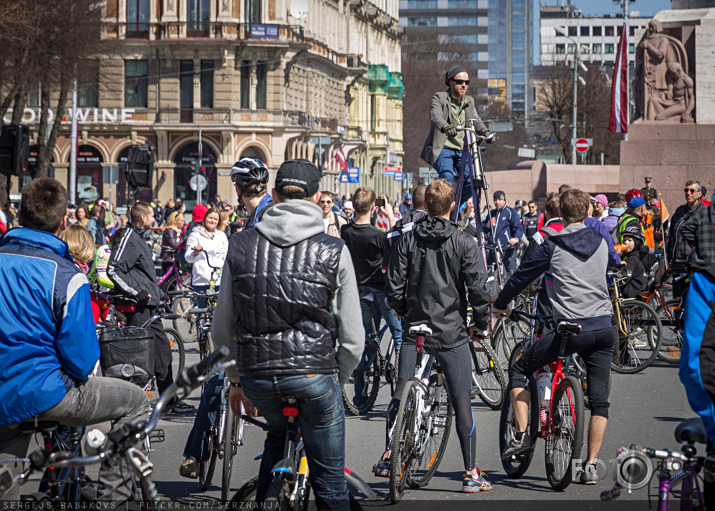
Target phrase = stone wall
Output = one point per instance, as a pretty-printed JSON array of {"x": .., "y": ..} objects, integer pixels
[{"x": 671, "y": 154}]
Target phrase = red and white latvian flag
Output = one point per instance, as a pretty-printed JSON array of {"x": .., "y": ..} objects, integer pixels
[
  {"x": 619, "y": 88},
  {"x": 340, "y": 156}
]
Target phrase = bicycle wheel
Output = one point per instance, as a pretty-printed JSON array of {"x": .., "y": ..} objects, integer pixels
[
  {"x": 361, "y": 388},
  {"x": 229, "y": 448},
  {"x": 433, "y": 433},
  {"x": 577, "y": 368},
  {"x": 403, "y": 441},
  {"x": 637, "y": 339},
  {"x": 672, "y": 320},
  {"x": 563, "y": 443},
  {"x": 178, "y": 351},
  {"x": 208, "y": 462},
  {"x": 517, "y": 465},
  {"x": 181, "y": 306},
  {"x": 487, "y": 374},
  {"x": 246, "y": 494}
]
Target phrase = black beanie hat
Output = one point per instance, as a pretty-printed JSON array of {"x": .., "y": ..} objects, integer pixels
[{"x": 454, "y": 72}]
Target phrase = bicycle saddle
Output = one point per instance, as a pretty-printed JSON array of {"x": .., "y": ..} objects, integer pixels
[
  {"x": 420, "y": 329},
  {"x": 691, "y": 431},
  {"x": 566, "y": 328},
  {"x": 39, "y": 426}
]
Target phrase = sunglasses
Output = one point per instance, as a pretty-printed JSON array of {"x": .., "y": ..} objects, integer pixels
[
  {"x": 326, "y": 202},
  {"x": 461, "y": 82},
  {"x": 691, "y": 190}
]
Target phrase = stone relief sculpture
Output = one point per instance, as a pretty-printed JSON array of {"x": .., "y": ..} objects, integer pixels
[
  {"x": 679, "y": 100},
  {"x": 225, "y": 6},
  {"x": 663, "y": 88}
]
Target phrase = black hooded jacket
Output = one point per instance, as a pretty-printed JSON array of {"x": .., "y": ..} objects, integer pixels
[{"x": 435, "y": 271}]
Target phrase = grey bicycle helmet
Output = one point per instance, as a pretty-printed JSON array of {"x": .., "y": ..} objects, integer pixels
[{"x": 249, "y": 171}]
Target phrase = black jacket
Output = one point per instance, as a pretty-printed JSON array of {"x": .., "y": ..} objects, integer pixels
[
  {"x": 131, "y": 268},
  {"x": 283, "y": 318},
  {"x": 435, "y": 271},
  {"x": 677, "y": 248}
]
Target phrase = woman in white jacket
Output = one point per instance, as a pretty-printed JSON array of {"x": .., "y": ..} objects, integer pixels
[{"x": 210, "y": 240}]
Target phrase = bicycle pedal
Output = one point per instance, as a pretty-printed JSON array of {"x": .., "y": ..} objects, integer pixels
[{"x": 157, "y": 436}]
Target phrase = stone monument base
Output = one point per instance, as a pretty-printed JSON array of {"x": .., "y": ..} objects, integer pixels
[{"x": 671, "y": 154}]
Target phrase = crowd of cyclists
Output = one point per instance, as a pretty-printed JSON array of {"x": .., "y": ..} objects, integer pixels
[{"x": 291, "y": 265}]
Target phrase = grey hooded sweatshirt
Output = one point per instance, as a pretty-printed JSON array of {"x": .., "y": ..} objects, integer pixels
[{"x": 284, "y": 225}]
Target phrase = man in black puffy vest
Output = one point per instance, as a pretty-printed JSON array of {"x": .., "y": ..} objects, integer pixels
[{"x": 288, "y": 296}]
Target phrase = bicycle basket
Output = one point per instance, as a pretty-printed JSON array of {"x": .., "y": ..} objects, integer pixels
[{"x": 127, "y": 347}]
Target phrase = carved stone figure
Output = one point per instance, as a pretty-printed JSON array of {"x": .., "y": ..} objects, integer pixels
[
  {"x": 225, "y": 6},
  {"x": 679, "y": 100},
  {"x": 658, "y": 82}
]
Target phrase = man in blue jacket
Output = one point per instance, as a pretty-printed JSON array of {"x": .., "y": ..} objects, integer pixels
[
  {"x": 504, "y": 226},
  {"x": 48, "y": 344}
]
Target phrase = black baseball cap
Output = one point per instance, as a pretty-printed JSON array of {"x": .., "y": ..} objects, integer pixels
[
  {"x": 301, "y": 173},
  {"x": 499, "y": 195},
  {"x": 648, "y": 178}
]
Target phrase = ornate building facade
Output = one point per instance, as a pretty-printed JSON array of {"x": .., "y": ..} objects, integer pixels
[{"x": 272, "y": 79}]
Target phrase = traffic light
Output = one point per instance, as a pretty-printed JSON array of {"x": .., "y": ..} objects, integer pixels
[
  {"x": 140, "y": 166},
  {"x": 14, "y": 149},
  {"x": 203, "y": 170}
]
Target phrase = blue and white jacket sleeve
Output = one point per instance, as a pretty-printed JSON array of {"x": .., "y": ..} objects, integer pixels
[{"x": 77, "y": 343}]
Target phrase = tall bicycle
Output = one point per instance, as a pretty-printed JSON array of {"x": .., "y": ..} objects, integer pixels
[{"x": 423, "y": 423}]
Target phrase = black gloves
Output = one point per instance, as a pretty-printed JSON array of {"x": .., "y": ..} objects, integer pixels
[
  {"x": 143, "y": 297},
  {"x": 449, "y": 130}
]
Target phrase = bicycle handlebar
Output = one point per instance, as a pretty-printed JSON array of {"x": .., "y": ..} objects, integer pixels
[{"x": 128, "y": 436}]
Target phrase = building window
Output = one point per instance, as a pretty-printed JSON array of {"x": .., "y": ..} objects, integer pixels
[
  {"x": 261, "y": 85},
  {"x": 620, "y": 30},
  {"x": 596, "y": 48},
  {"x": 560, "y": 49},
  {"x": 609, "y": 31},
  {"x": 572, "y": 31},
  {"x": 586, "y": 31},
  {"x": 33, "y": 95},
  {"x": 597, "y": 31},
  {"x": 423, "y": 22},
  {"x": 452, "y": 4},
  {"x": 584, "y": 49},
  {"x": 199, "y": 13},
  {"x": 608, "y": 48},
  {"x": 631, "y": 48},
  {"x": 136, "y": 83},
  {"x": 253, "y": 11},
  {"x": 138, "y": 18},
  {"x": 88, "y": 94},
  {"x": 186, "y": 84},
  {"x": 245, "y": 84},
  {"x": 462, "y": 22},
  {"x": 571, "y": 48},
  {"x": 632, "y": 30},
  {"x": 432, "y": 4},
  {"x": 207, "y": 84}
]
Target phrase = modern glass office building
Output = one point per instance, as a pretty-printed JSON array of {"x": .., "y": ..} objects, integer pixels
[{"x": 510, "y": 55}]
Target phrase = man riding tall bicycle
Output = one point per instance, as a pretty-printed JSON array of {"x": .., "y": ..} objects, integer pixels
[{"x": 450, "y": 110}]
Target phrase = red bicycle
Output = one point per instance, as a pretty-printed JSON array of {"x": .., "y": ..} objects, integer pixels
[{"x": 561, "y": 424}]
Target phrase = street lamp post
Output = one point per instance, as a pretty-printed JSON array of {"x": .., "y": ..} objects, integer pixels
[{"x": 576, "y": 78}]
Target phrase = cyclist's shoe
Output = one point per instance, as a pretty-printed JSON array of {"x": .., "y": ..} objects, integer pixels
[
  {"x": 589, "y": 474},
  {"x": 517, "y": 446},
  {"x": 190, "y": 469},
  {"x": 382, "y": 468},
  {"x": 475, "y": 484},
  {"x": 179, "y": 406}
]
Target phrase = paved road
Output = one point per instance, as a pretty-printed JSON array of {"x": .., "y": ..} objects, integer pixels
[{"x": 645, "y": 408}]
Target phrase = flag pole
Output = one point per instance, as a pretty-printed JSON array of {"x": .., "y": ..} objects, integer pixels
[{"x": 628, "y": 83}]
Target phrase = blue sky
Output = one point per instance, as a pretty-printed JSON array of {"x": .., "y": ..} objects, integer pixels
[{"x": 647, "y": 8}]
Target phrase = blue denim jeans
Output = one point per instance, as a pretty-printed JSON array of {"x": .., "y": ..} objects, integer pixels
[
  {"x": 322, "y": 424},
  {"x": 447, "y": 166},
  {"x": 205, "y": 417},
  {"x": 380, "y": 309},
  {"x": 200, "y": 300}
]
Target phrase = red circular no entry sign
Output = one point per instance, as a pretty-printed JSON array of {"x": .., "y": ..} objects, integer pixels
[{"x": 582, "y": 145}]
